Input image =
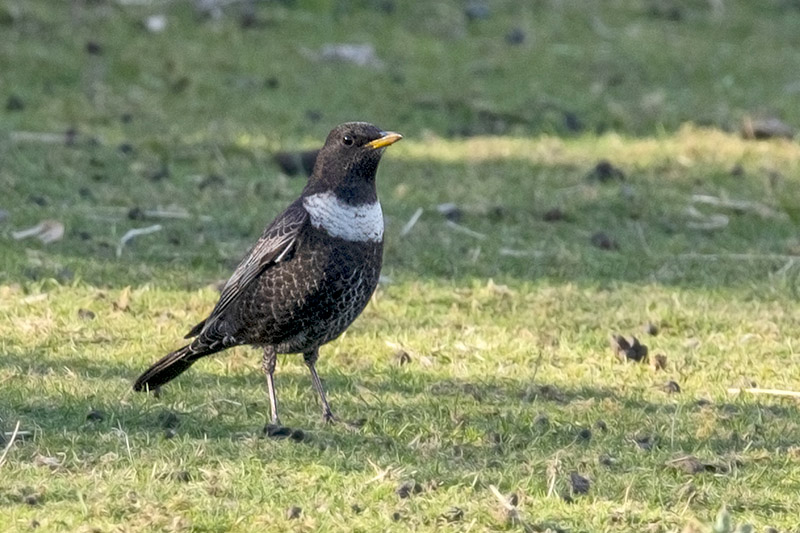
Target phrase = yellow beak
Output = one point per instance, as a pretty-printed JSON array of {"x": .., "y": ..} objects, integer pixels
[{"x": 388, "y": 137}]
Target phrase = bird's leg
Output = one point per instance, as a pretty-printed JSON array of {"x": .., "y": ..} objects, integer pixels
[
  {"x": 268, "y": 366},
  {"x": 310, "y": 359}
]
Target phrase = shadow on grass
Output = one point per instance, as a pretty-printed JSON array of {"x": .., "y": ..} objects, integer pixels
[
  {"x": 487, "y": 422},
  {"x": 508, "y": 203}
]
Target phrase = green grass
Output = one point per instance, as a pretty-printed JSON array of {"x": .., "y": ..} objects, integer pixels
[{"x": 512, "y": 381}]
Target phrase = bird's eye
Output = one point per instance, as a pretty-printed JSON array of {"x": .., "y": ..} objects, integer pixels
[{"x": 347, "y": 140}]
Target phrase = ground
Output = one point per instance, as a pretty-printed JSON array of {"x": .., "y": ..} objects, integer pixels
[{"x": 602, "y": 182}]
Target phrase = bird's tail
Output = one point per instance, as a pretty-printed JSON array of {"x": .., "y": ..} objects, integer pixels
[{"x": 171, "y": 366}]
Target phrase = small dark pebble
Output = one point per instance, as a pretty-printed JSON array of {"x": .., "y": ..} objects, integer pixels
[
  {"x": 553, "y": 215},
  {"x": 294, "y": 512},
  {"x": 407, "y": 488},
  {"x": 136, "y": 213},
  {"x": 86, "y": 193},
  {"x": 601, "y": 425},
  {"x": 702, "y": 402},
  {"x": 250, "y": 20},
  {"x": 603, "y": 241},
  {"x": 298, "y": 435},
  {"x": 572, "y": 122},
  {"x": 168, "y": 420},
  {"x": 604, "y": 172},
  {"x": 644, "y": 442},
  {"x": 125, "y": 148},
  {"x": 628, "y": 350},
  {"x": 31, "y": 499},
  {"x": 86, "y": 314},
  {"x": 95, "y": 415},
  {"x": 385, "y": 6},
  {"x": 651, "y": 329},
  {"x": 585, "y": 434},
  {"x": 450, "y": 211},
  {"x": 671, "y": 387},
  {"x": 39, "y": 200},
  {"x": 182, "y": 476},
  {"x": 515, "y": 36},
  {"x": 356, "y": 508},
  {"x": 454, "y": 514},
  {"x": 14, "y": 103},
  {"x": 396, "y": 516},
  {"x": 277, "y": 432},
  {"x": 579, "y": 484},
  {"x": 665, "y": 9},
  {"x": 180, "y": 85},
  {"x": 70, "y": 137},
  {"x": 94, "y": 48},
  {"x": 477, "y": 10},
  {"x": 496, "y": 213}
]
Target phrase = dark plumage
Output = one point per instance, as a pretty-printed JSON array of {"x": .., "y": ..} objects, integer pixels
[{"x": 310, "y": 274}]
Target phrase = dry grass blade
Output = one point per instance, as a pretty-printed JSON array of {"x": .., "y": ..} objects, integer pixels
[
  {"x": 133, "y": 233},
  {"x": 736, "y": 205},
  {"x": 465, "y": 230},
  {"x": 768, "y": 392},
  {"x": 9, "y": 445},
  {"x": 411, "y": 222},
  {"x": 513, "y": 512}
]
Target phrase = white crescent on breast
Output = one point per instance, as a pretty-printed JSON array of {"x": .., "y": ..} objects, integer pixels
[{"x": 358, "y": 223}]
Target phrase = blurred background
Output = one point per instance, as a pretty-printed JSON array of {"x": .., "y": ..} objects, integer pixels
[{"x": 195, "y": 116}]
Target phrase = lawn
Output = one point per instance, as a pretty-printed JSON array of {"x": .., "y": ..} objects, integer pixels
[{"x": 581, "y": 173}]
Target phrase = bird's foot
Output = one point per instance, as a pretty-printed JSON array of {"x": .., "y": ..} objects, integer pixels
[
  {"x": 328, "y": 417},
  {"x": 276, "y": 431}
]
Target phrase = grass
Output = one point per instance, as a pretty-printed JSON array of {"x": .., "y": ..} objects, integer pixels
[{"x": 511, "y": 380}]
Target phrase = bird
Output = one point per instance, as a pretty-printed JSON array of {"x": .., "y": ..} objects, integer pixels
[{"x": 309, "y": 275}]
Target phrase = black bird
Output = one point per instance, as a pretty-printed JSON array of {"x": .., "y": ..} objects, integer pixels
[{"x": 310, "y": 274}]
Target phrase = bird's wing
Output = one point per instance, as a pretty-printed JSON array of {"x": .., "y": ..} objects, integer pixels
[{"x": 275, "y": 245}]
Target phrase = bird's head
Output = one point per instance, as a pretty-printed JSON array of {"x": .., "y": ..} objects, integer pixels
[{"x": 347, "y": 163}]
